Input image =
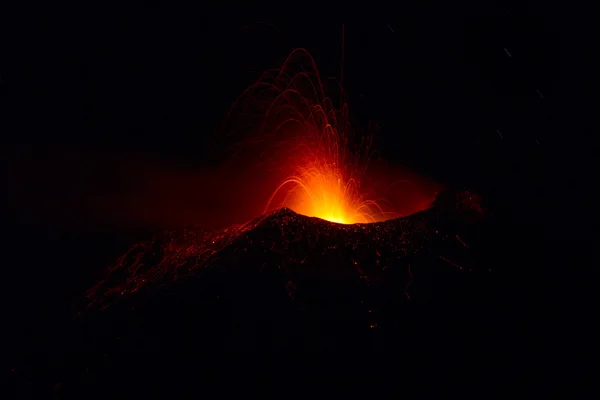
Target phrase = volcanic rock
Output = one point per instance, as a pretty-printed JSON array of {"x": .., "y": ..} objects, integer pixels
[{"x": 284, "y": 280}]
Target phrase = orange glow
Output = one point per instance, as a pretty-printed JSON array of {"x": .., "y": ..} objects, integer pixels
[
  {"x": 323, "y": 163},
  {"x": 322, "y": 190}
]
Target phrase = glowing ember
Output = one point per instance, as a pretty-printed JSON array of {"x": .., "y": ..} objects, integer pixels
[{"x": 323, "y": 162}]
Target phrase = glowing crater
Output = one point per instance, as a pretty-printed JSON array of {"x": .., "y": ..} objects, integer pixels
[{"x": 314, "y": 140}]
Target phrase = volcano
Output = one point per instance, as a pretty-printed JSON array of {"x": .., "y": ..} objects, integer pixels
[{"x": 285, "y": 280}]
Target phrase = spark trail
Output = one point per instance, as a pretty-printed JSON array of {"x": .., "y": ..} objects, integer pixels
[{"x": 315, "y": 141}]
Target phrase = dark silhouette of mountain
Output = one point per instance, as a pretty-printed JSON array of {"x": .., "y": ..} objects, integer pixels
[
  {"x": 285, "y": 280},
  {"x": 289, "y": 282}
]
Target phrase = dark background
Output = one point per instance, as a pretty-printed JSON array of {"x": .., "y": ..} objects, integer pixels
[{"x": 96, "y": 100}]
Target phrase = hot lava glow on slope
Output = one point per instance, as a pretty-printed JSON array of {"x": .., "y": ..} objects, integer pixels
[{"x": 323, "y": 162}]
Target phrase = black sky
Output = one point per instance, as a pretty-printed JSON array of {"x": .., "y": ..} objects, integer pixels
[{"x": 438, "y": 82}]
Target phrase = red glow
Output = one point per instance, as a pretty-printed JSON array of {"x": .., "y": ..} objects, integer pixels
[
  {"x": 324, "y": 162},
  {"x": 298, "y": 151}
]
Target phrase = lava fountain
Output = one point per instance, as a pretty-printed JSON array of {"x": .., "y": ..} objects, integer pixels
[{"x": 314, "y": 143}]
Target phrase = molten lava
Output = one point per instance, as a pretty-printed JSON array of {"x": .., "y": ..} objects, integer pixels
[{"x": 322, "y": 162}]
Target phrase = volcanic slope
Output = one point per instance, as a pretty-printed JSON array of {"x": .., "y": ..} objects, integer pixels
[{"x": 284, "y": 279}]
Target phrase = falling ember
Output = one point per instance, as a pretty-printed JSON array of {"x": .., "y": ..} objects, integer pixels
[{"x": 323, "y": 162}]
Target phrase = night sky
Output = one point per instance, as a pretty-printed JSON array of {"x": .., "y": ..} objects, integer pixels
[{"x": 96, "y": 101}]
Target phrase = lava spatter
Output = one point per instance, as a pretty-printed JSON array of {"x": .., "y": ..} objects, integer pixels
[{"x": 314, "y": 143}]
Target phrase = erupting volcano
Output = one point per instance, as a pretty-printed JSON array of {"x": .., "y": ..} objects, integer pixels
[
  {"x": 323, "y": 250},
  {"x": 313, "y": 139},
  {"x": 179, "y": 199}
]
